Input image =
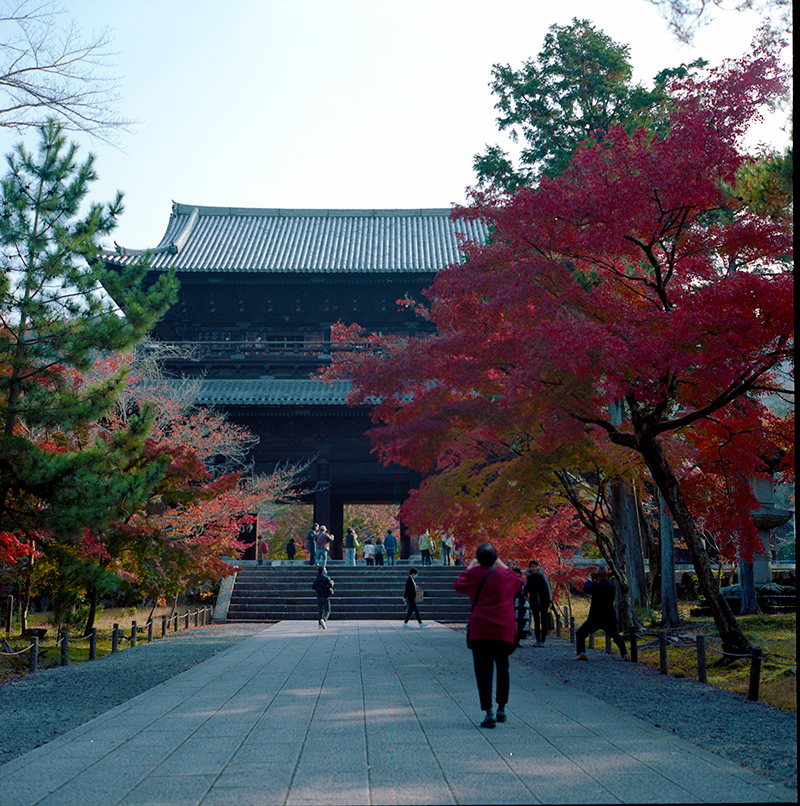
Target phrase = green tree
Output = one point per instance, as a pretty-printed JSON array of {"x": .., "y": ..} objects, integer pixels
[
  {"x": 59, "y": 476},
  {"x": 576, "y": 89}
]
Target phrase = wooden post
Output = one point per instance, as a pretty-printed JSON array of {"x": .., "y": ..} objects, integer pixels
[
  {"x": 755, "y": 674},
  {"x": 662, "y": 652},
  {"x": 558, "y": 624},
  {"x": 186, "y": 618},
  {"x": 164, "y": 626},
  {"x": 9, "y": 612},
  {"x": 565, "y": 615},
  {"x": 93, "y": 644},
  {"x": 64, "y": 647},
  {"x": 196, "y": 615},
  {"x": 149, "y": 630},
  {"x": 571, "y": 630},
  {"x": 634, "y": 645},
  {"x": 175, "y": 627},
  {"x": 700, "y": 642},
  {"x": 114, "y": 638},
  {"x": 608, "y": 644},
  {"x": 33, "y": 659},
  {"x": 134, "y": 633},
  {"x": 591, "y": 640}
]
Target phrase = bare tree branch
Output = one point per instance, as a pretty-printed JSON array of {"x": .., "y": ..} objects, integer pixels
[{"x": 49, "y": 69}]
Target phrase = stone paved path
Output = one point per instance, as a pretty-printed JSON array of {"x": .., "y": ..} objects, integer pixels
[{"x": 365, "y": 713}]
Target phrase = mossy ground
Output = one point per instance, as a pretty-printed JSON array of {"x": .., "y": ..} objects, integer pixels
[{"x": 775, "y": 634}]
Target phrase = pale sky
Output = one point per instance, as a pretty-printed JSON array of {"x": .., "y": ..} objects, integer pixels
[{"x": 330, "y": 103}]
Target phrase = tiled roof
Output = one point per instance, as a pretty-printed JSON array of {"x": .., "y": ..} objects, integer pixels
[
  {"x": 237, "y": 239},
  {"x": 273, "y": 392}
]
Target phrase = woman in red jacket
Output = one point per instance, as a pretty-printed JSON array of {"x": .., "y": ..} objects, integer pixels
[{"x": 492, "y": 628}]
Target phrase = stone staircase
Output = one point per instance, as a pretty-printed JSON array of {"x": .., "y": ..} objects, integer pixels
[{"x": 277, "y": 593}]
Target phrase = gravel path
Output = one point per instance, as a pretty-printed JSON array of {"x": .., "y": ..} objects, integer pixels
[
  {"x": 752, "y": 734},
  {"x": 37, "y": 709}
]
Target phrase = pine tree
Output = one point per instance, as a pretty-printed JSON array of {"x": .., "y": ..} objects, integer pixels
[{"x": 57, "y": 475}]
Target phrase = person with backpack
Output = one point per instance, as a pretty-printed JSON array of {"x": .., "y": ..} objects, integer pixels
[
  {"x": 323, "y": 585},
  {"x": 350, "y": 545},
  {"x": 390, "y": 544},
  {"x": 378, "y": 551}
]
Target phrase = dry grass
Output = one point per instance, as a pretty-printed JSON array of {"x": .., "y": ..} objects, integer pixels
[{"x": 775, "y": 634}]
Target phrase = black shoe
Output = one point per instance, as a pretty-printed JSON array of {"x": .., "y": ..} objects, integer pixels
[
  {"x": 501, "y": 716},
  {"x": 488, "y": 722}
]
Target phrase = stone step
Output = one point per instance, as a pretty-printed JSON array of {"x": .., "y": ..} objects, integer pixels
[{"x": 276, "y": 593}]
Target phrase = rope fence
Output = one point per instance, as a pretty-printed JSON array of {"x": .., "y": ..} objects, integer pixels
[
  {"x": 202, "y": 617},
  {"x": 662, "y": 641}
]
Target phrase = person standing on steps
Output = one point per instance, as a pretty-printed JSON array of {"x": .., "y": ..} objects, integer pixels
[
  {"x": 540, "y": 596},
  {"x": 410, "y": 596},
  {"x": 369, "y": 552},
  {"x": 390, "y": 544},
  {"x": 324, "y": 540},
  {"x": 311, "y": 543},
  {"x": 350, "y": 545},
  {"x": 601, "y": 613},
  {"x": 425, "y": 548},
  {"x": 492, "y": 629},
  {"x": 378, "y": 551},
  {"x": 291, "y": 549},
  {"x": 323, "y": 585},
  {"x": 447, "y": 548}
]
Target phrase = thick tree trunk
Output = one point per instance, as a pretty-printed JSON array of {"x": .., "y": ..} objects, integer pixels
[
  {"x": 669, "y": 593},
  {"x": 733, "y": 639},
  {"x": 626, "y": 524},
  {"x": 747, "y": 586}
]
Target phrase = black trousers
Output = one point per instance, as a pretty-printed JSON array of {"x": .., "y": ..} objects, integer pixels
[
  {"x": 486, "y": 655},
  {"x": 412, "y": 609},
  {"x": 324, "y": 607},
  {"x": 608, "y": 626},
  {"x": 539, "y": 622}
]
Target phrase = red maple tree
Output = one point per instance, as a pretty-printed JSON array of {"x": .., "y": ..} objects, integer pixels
[{"x": 631, "y": 312}]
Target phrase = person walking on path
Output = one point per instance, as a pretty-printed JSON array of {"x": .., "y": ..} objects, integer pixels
[
  {"x": 410, "y": 596},
  {"x": 324, "y": 541},
  {"x": 350, "y": 545},
  {"x": 540, "y": 596},
  {"x": 425, "y": 548},
  {"x": 291, "y": 549},
  {"x": 390, "y": 544},
  {"x": 311, "y": 543},
  {"x": 492, "y": 629},
  {"x": 323, "y": 585},
  {"x": 601, "y": 613}
]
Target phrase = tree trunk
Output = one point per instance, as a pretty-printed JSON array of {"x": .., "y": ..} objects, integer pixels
[
  {"x": 733, "y": 639},
  {"x": 669, "y": 593},
  {"x": 90, "y": 618},
  {"x": 747, "y": 586},
  {"x": 626, "y": 525}
]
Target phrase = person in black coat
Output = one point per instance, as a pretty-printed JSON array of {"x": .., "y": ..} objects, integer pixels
[
  {"x": 601, "y": 613},
  {"x": 323, "y": 585},
  {"x": 410, "y": 595}
]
